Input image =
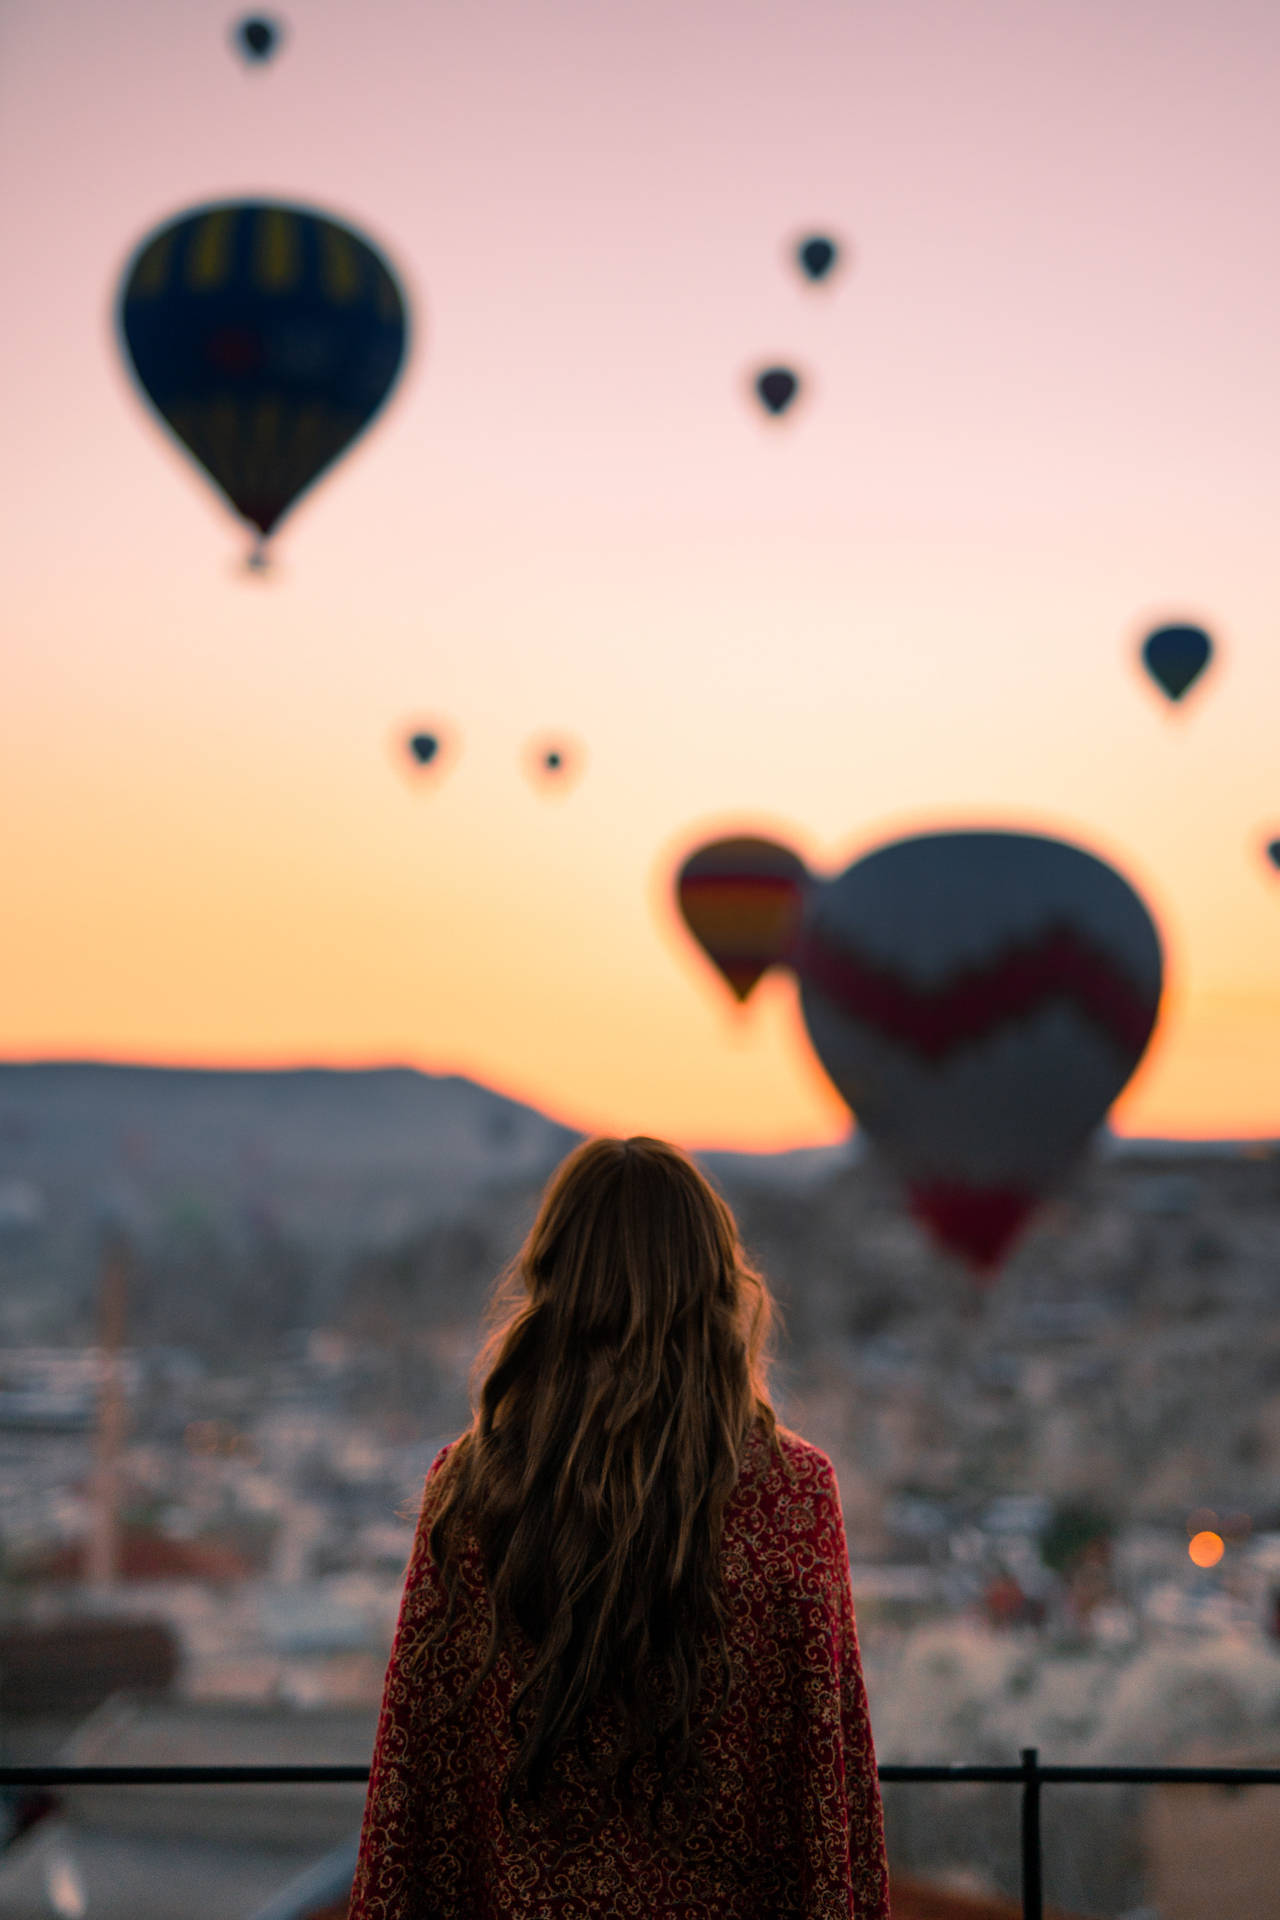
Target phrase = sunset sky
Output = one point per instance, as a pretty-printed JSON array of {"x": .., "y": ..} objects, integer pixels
[{"x": 1042, "y": 414}]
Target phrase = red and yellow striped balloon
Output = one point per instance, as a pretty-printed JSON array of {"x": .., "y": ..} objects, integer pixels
[{"x": 742, "y": 900}]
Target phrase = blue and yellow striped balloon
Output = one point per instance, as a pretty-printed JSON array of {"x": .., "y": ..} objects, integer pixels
[{"x": 267, "y": 337}]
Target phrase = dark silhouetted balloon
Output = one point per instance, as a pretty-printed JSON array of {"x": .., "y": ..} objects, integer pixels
[
  {"x": 979, "y": 999},
  {"x": 817, "y": 255},
  {"x": 742, "y": 900},
  {"x": 776, "y": 388},
  {"x": 257, "y": 37},
  {"x": 1175, "y": 657},
  {"x": 1273, "y": 852},
  {"x": 267, "y": 337},
  {"x": 553, "y": 763},
  {"x": 424, "y": 747}
]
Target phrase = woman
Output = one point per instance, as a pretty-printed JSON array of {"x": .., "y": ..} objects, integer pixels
[{"x": 625, "y": 1679}]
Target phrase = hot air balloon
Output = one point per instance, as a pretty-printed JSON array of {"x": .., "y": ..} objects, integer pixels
[
  {"x": 266, "y": 337},
  {"x": 1175, "y": 657},
  {"x": 817, "y": 255},
  {"x": 776, "y": 388},
  {"x": 742, "y": 900},
  {"x": 979, "y": 1000},
  {"x": 553, "y": 763},
  {"x": 256, "y": 37},
  {"x": 424, "y": 747},
  {"x": 1273, "y": 852}
]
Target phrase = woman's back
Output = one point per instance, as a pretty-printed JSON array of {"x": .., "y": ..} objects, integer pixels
[
  {"x": 625, "y": 1678},
  {"x": 790, "y": 1822}
]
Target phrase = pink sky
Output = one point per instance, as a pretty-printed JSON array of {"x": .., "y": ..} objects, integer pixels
[{"x": 1043, "y": 413}]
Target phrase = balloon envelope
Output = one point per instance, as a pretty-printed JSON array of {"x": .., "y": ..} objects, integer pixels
[
  {"x": 742, "y": 900},
  {"x": 1175, "y": 657},
  {"x": 266, "y": 337},
  {"x": 553, "y": 763},
  {"x": 424, "y": 747},
  {"x": 1273, "y": 852},
  {"x": 979, "y": 1000},
  {"x": 776, "y": 388},
  {"x": 817, "y": 255},
  {"x": 257, "y": 37}
]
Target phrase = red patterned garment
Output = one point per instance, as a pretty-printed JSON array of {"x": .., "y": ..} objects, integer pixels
[{"x": 792, "y": 1828}]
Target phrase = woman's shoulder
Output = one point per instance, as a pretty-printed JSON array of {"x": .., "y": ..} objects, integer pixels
[
  {"x": 436, "y": 1485},
  {"x": 433, "y": 1484},
  {"x": 446, "y": 1452},
  {"x": 784, "y": 1455},
  {"x": 783, "y": 1528},
  {"x": 806, "y": 1461},
  {"x": 782, "y": 1470}
]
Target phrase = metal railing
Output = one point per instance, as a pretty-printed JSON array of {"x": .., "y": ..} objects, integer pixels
[{"x": 1030, "y": 1775}]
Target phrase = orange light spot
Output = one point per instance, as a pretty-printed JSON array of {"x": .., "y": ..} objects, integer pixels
[{"x": 1206, "y": 1548}]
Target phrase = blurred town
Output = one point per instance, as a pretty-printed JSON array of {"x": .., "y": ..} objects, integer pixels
[{"x": 237, "y": 1316}]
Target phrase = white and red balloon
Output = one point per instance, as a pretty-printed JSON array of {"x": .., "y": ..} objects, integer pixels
[{"x": 979, "y": 999}]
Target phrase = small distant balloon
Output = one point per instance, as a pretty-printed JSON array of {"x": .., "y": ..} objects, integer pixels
[
  {"x": 553, "y": 763},
  {"x": 424, "y": 747},
  {"x": 1175, "y": 657},
  {"x": 742, "y": 899},
  {"x": 257, "y": 37},
  {"x": 817, "y": 255},
  {"x": 776, "y": 388},
  {"x": 1273, "y": 853}
]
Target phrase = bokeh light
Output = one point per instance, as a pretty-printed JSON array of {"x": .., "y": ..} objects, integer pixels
[{"x": 1206, "y": 1548}]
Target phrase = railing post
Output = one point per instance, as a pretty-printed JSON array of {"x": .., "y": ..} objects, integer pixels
[{"x": 1032, "y": 1878}]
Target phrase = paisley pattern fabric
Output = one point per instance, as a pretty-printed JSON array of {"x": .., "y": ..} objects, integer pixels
[{"x": 791, "y": 1828}]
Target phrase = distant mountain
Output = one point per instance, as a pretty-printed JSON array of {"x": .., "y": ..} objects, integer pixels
[
  {"x": 319, "y": 1136},
  {"x": 275, "y": 1181},
  {"x": 259, "y": 1188},
  {"x": 797, "y": 1169},
  {"x": 105, "y": 1119},
  {"x": 331, "y": 1159}
]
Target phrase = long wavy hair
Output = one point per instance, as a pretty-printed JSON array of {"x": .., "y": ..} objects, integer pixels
[{"x": 622, "y": 1379}]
